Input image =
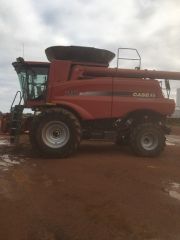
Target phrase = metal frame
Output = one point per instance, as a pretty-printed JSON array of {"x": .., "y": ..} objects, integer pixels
[
  {"x": 20, "y": 99},
  {"x": 167, "y": 87},
  {"x": 133, "y": 59}
]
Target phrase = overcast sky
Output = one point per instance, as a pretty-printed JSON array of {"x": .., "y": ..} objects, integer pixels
[{"x": 151, "y": 26}]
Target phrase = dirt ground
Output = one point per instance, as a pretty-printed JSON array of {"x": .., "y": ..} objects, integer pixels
[{"x": 103, "y": 192}]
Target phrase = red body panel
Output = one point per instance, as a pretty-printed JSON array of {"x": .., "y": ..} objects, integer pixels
[
  {"x": 94, "y": 96},
  {"x": 77, "y": 94},
  {"x": 144, "y": 95}
]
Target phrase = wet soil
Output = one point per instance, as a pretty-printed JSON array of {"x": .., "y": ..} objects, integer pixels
[{"x": 103, "y": 192}]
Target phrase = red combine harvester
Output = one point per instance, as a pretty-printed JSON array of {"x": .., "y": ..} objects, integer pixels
[{"x": 77, "y": 96}]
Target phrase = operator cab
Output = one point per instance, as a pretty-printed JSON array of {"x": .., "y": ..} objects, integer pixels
[{"x": 33, "y": 78}]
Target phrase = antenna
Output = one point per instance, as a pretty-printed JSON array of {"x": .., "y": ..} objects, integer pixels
[{"x": 23, "y": 50}]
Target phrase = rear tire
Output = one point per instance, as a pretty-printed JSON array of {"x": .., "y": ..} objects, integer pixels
[
  {"x": 147, "y": 139},
  {"x": 56, "y": 133}
]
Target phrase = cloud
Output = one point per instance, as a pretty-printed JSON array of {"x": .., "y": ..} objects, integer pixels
[{"x": 151, "y": 26}]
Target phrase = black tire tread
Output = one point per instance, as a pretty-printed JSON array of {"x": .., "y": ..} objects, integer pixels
[
  {"x": 135, "y": 146},
  {"x": 45, "y": 151}
]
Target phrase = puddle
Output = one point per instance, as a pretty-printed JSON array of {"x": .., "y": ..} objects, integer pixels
[
  {"x": 4, "y": 141},
  {"x": 172, "y": 140},
  {"x": 170, "y": 144},
  {"x": 7, "y": 161},
  {"x": 174, "y": 190}
]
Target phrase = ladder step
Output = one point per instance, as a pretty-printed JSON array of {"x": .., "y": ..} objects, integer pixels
[{"x": 16, "y": 120}]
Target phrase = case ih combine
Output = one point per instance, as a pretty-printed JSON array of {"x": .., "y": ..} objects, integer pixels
[{"x": 77, "y": 96}]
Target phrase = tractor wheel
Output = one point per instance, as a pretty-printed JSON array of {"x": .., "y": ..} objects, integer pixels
[
  {"x": 147, "y": 139},
  {"x": 56, "y": 133}
]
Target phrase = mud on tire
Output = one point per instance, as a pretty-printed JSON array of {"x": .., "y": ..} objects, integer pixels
[
  {"x": 56, "y": 133},
  {"x": 147, "y": 139}
]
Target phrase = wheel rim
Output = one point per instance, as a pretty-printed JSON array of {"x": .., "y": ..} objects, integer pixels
[
  {"x": 55, "y": 134},
  {"x": 149, "y": 141}
]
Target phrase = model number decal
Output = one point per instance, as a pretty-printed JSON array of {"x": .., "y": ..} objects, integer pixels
[
  {"x": 74, "y": 92},
  {"x": 144, "y": 95}
]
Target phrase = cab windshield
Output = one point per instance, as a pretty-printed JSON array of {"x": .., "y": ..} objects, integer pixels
[{"x": 33, "y": 81}]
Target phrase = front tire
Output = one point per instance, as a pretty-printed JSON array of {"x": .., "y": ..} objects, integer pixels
[
  {"x": 56, "y": 133},
  {"x": 147, "y": 139}
]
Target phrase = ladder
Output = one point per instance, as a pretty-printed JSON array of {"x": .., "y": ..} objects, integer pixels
[{"x": 16, "y": 119}]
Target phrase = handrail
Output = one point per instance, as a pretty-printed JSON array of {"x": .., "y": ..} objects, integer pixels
[
  {"x": 20, "y": 98},
  {"x": 133, "y": 59}
]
